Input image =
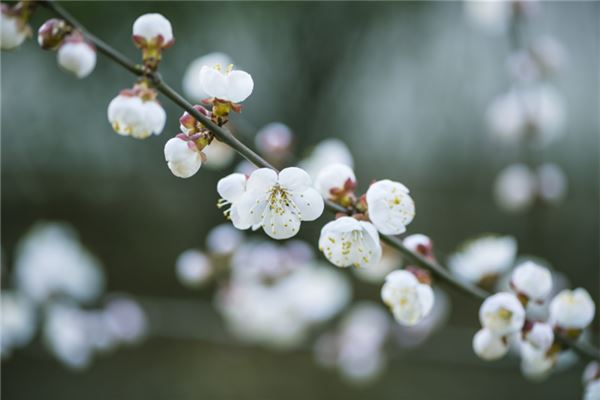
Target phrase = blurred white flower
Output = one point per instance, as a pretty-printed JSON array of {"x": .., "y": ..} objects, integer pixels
[
  {"x": 502, "y": 314},
  {"x": 231, "y": 85},
  {"x": 335, "y": 180},
  {"x": 532, "y": 281},
  {"x": 591, "y": 373},
  {"x": 327, "y": 152},
  {"x": 316, "y": 292},
  {"x": 276, "y": 202},
  {"x": 77, "y": 56},
  {"x": 14, "y": 30},
  {"x": 538, "y": 112},
  {"x": 536, "y": 365},
  {"x": 130, "y": 115},
  {"x": 192, "y": 84},
  {"x": 347, "y": 241},
  {"x": 152, "y": 30},
  {"x": 66, "y": 335},
  {"x": 17, "y": 321},
  {"x": 489, "y": 346},
  {"x": 572, "y": 309},
  {"x": 390, "y": 207},
  {"x": 515, "y": 188},
  {"x": 125, "y": 319},
  {"x": 552, "y": 183},
  {"x": 490, "y": 16},
  {"x": 540, "y": 336},
  {"x": 50, "y": 261},
  {"x": 549, "y": 54},
  {"x": 274, "y": 140},
  {"x": 361, "y": 337},
  {"x": 223, "y": 239},
  {"x": 592, "y": 391},
  {"x": 409, "y": 300},
  {"x": 484, "y": 257},
  {"x": 218, "y": 155},
  {"x": 182, "y": 156},
  {"x": 194, "y": 268}
]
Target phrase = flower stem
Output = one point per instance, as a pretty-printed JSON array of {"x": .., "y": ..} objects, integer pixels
[{"x": 584, "y": 349}]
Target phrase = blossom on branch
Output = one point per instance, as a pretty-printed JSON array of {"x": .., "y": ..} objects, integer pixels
[
  {"x": 572, "y": 309},
  {"x": 502, "y": 313},
  {"x": 348, "y": 241},
  {"x": 182, "y": 156},
  {"x": 409, "y": 299},
  {"x": 531, "y": 281},
  {"x": 276, "y": 202},
  {"x": 136, "y": 113},
  {"x": 489, "y": 346},
  {"x": 335, "y": 182},
  {"x": 390, "y": 207},
  {"x": 13, "y": 25},
  {"x": 77, "y": 55}
]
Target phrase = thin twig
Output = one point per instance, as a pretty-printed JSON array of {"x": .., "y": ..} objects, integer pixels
[{"x": 581, "y": 348}]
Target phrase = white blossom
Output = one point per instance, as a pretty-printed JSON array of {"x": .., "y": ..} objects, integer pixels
[
  {"x": 231, "y": 85},
  {"x": 515, "y": 188},
  {"x": 327, "y": 152},
  {"x": 183, "y": 157},
  {"x": 153, "y": 28},
  {"x": 223, "y": 239},
  {"x": 489, "y": 346},
  {"x": 484, "y": 257},
  {"x": 532, "y": 280},
  {"x": 335, "y": 179},
  {"x": 572, "y": 309},
  {"x": 218, "y": 155},
  {"x": 591, "y": 372},
  {"x": 276, "y": 202},
  {"x": 193, "y": 268},
  {"x": 51, "y": 261},
  {"x": 502, "y": 313},
  {"x": 17, "y": 321},
  {"x": 390, "y": 207},
  {"x": 130, "y": 115},
  {"x": 13, "y": 30},
  {"x": 535, "y": 364},
  {"x": 409, "y": 300},
  {"x": 192, "y": 85},
  {"x": 540, "y": 336},
  {"x": 78, "y": 57},
  {"x": 347, "y": 241}
]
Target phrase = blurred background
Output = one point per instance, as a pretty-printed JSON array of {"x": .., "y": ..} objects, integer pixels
[{"x": 405, "y": 85}]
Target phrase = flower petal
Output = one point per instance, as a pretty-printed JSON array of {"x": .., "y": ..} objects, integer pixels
[
  {"x": 294, "y": 179},
  {"x": 232, "y": 187},
  {"x": 281, "y": 223},
  {"x": 214, "y": 82},
  {"x": 240, "y": 86},
  {"x": 262, "y": 180},
  {"x": 309, "y": 203}
]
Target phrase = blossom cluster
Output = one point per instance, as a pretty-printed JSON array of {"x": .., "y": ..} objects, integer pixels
[
  {"x": 268, "y": 294},
  {"x": 512, "y": 319},
  {"x": 531, "y": 113},
  {"x": 55, "y": 277}
]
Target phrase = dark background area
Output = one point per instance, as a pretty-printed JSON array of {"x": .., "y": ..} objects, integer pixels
[{"x": 405, "y": 85}]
